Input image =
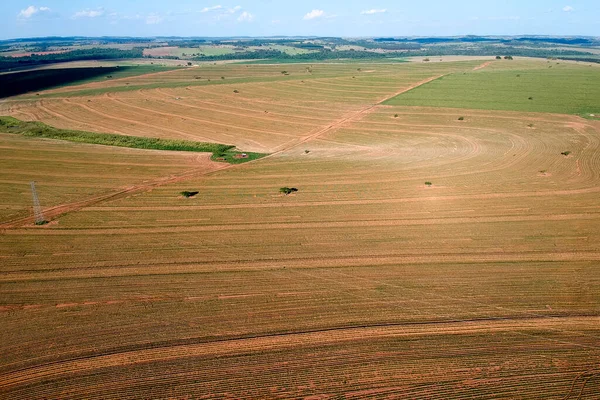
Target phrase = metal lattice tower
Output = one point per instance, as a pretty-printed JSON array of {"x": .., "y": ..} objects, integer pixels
[{"x": 37, "y": 209}]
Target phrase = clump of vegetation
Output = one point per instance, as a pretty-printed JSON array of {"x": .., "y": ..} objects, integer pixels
[
  {"x": 287, "y": 190},
  {"x": 426, "y": 60},
  {"x": 498, "y": 58},
  {"x": 284, "y": 72},
  {"x": 41, "y": 130},
  {"x": 306, "y": 151},
  {"x": 508, "y": 57},
  {"x": 42, "y": 222},
  {"x": 395, "y": 115},
  {"x": 428, "y": 183},
  {"x": 565, "y": 153},
  {"x": 236, "y": 91},
  {"x": 530, "y": 98},
  {"x": 461, "y": 118},
  {"x": 530, "y": 125},
  {"x": 222, "y": 77},
  {"x": 188, "y": 194}
]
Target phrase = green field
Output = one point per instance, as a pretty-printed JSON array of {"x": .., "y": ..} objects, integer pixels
[{"x": 565, "y": 88}]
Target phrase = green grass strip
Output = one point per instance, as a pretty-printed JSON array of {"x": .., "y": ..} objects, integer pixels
[{"x": 221, "y": 152}]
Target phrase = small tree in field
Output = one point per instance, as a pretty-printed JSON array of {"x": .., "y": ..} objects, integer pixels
[{"x": 286, "y": 190}]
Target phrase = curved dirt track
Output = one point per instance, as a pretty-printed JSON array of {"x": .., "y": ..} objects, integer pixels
[{"x": 273, "y": 342}]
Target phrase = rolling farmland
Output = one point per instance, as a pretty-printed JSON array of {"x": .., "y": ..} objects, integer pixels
[{"x": 437, "y": 247}]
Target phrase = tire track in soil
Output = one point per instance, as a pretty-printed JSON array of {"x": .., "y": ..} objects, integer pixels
[
  {"x": 136, "y": 122},
  {"x": 203, "y": 121},
  {"x": 55, "y": 212},
  {"x": 254, "y": 114},
  {"x": 482, "y": 66},
  {"x": 276, "y": 341},
  {"x": 65, "y": 208}
]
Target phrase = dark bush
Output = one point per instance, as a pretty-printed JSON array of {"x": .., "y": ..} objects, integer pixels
[
  {"x": 188, "y": 194},
  {"x": 286, "y": 190}
]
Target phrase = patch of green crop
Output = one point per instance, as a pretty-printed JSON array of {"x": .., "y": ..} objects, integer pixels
[
  {"x": 567, "y": 90},
  {"x": 221, "y": 152}
]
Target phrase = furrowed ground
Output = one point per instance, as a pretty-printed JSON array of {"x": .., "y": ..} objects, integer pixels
[{"x": 366, "y": 283}]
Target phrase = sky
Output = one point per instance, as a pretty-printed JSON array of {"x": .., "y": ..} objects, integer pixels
[{"x": 342, "y": 18}]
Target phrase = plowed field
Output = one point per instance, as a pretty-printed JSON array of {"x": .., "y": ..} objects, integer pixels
[{"x": 422, "y": 256}]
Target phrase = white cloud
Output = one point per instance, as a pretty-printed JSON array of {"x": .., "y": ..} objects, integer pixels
[
  {"x": 246, "y": 17},
  {"x": 213, "y": 8},
  {"x": 314, "y": 14},
  {"x": 374, "y": 11},
  {"x": 154, "y": 19},
  {"x": 567, "y": 9},
  {"x": 89, "y": 13},
  {"x": 234, "y": 9},
  {"x": 31, "y": 11}
]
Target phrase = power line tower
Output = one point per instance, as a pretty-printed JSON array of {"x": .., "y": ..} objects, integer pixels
[{"x": 37, "y": 209}]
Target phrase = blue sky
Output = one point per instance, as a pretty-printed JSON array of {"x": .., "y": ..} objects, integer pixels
[{"x": 28, "y": 18}]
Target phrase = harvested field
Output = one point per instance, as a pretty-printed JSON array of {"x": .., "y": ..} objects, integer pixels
[{"x": 365, "y": 283}]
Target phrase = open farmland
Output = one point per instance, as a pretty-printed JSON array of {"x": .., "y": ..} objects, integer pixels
[
  {"x": 552, "y": 87},
  {"x": 422, "y": 256}
]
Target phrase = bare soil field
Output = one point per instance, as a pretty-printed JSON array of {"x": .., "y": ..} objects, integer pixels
[{"x": 422, "y": 256}]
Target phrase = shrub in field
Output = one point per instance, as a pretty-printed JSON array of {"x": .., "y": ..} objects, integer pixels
[
  {"x": 43, "y": 222},
  {"x": 395, "y": 115},
  {"x": 461, "y": 118},
  {"x": 286, "y": 190},
  {"x": 565, "y": 153},
  {"x": 236, "y": 91},
  {"x": 498, "y": 58},
  {"x": 428, "y": 183},
  {"x": 188, "y": 194}
]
